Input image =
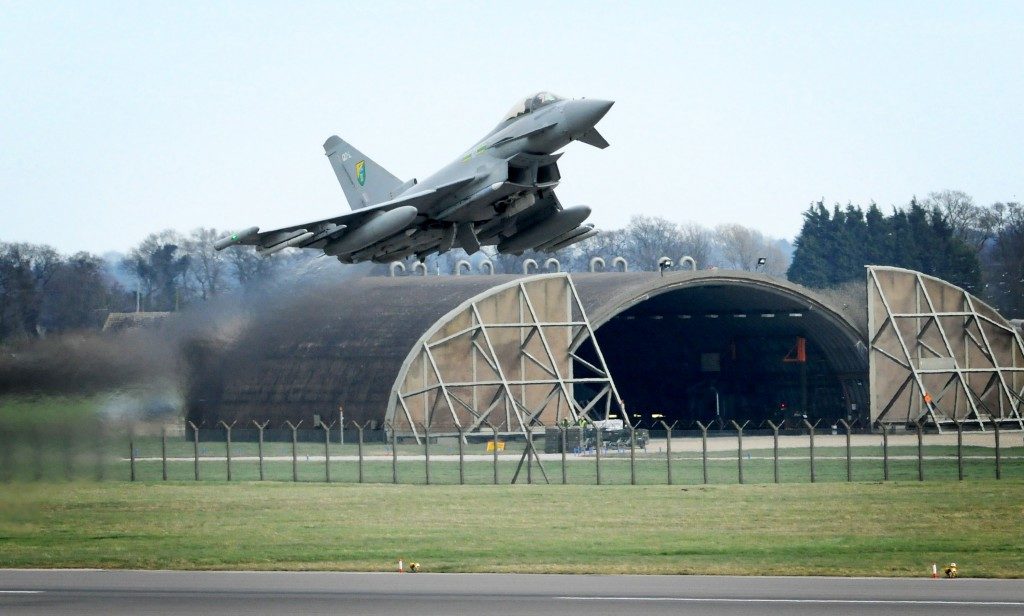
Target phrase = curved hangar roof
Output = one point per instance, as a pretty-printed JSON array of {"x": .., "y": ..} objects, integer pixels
[
  {"x": 726, "y": 293},
  {"x": 346, "y": 343}
]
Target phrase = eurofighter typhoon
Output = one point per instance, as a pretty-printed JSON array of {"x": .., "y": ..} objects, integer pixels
[{"x": 499, "y": 193}]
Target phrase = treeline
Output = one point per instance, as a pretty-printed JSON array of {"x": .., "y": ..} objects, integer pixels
[
  {"x": 946, "y": 235},
  {"x": 42, "y": 291}
]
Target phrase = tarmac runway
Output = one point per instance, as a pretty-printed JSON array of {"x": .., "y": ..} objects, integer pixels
[{"x": 424, "y": 594}]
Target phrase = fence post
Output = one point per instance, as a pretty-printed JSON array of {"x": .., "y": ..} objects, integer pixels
[
  {"x": 195, "y": 446},
  {"x": 131, "y": 450},
  {"x": 632, "y": 455},
  {"x": 359, "y": 448},
  {"x": 739, "y": 447},
  {"x": 462, "y": 456},
  {"x": 394, "y": 453},
  {"x": 668, "y": 450},
  {"x": 227, "y": 445},
  {"x": 959, "y": 448},
  {"x": 920, "y": 451},
  {"x": 561, "y": 436},
  {"x": 163, "y": 452},
  {"x": 849, "y": 453},
  {"x": 529, "y": 454},
  {"x": 885, "y": 451},
  {"x": 597, "y": 451},
  {"x": 703, "y": 448},
  {"x": 295, "y": 446},
  {"x": 259, "y": 445},
  {"x": 810, "y": 430},
  {"x": 494, "y": 430},
  {"x": 775, "y": 447},
  {"x": 426, "y": 452},
  {"x": 327, "y": 449},
  {"x": 999, "y": 460}
]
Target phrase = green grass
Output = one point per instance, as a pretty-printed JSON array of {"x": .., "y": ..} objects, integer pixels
[{"x": 891, "y": 529}]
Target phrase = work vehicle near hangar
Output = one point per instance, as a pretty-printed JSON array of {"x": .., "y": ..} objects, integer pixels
[{"x": 444, "y": 353}]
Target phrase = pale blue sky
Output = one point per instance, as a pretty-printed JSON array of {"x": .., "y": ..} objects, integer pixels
[{"x": 118, "y": 119}]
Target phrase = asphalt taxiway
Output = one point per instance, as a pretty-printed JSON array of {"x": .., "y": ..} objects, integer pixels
[{"x": 230, "y": 592}]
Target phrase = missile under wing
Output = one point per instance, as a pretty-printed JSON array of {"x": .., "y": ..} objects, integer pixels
[{"x": 500, "y": 193}]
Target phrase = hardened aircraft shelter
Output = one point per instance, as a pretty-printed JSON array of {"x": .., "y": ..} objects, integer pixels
[{"x": 449, "y": 353}]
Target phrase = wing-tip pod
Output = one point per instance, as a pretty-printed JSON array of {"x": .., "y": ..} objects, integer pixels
[{"x": 236, "y": 238}]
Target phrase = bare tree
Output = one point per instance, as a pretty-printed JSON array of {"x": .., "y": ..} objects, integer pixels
[
  {"x": 42, "y": 291},
  {"x": 606, "y": 244},
  {"x": 79, "y": 294},
  {"x": 161, "y": 268},
  {"x": 25, "y": 271},
  {"x": 249, "y": 267},
  {"x": 697, "y": 242},
  {"x": 649, "y": 238},
  {"x": 960, "y": 212},
  {"x": 208, "y": 267},
  {"x": 742, "y": 248},
  {"x": 1005, "y": 260}
]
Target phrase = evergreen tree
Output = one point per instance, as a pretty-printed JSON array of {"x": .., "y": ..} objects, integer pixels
[
  {"x": 833, "y": 247},
  {"x": 811, "y": 255}
]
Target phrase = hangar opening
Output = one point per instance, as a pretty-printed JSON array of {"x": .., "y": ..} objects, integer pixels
[{"x": 721, "y": 346}]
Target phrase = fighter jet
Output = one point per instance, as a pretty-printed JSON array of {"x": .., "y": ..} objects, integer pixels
[{"x": 500, "y": 193}]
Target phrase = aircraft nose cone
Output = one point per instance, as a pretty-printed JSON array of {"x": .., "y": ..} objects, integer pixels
[
  {"x": 582, "y": 115},
  {"x": 592, "y": 110}
]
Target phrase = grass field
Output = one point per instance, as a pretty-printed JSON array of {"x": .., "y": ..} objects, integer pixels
[{"x": 887, "y": 529}]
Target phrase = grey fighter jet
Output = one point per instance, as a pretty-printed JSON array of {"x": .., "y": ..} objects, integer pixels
[{"x": 499, "y": 193}]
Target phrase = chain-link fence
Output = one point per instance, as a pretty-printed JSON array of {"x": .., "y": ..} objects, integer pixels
[{"x": 720, "y": 453}]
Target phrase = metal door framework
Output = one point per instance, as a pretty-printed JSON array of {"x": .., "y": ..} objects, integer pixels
[
  {"x": 516, "y": 390},
  {"x": 939, "y": 354}
]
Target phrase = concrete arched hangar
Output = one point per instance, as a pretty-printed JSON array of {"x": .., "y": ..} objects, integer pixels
[{"x": 461, "y": 352}]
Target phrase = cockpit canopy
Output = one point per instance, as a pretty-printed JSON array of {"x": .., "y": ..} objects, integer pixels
[{"x": 531, "y": 103}]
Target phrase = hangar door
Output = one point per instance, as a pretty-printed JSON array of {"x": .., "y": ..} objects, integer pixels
[{"x": 940, "y": 355}]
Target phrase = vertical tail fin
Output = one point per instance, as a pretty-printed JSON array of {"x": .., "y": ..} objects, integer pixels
[{"x": 364, "y": 181}]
